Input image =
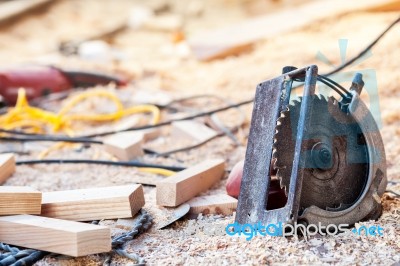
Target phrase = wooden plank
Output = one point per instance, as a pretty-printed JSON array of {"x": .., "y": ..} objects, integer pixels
[
  {"x": 213, "y": 204},
  {"x": 188, "y": 183},
  {"x": 236, "y": 38},
  {"x": 54, "y": 235},
  {"x": 15, "y": 8},
  {"x": 7, "y": 166},
  {"x": 94, "y": 203},
  {"x": 125, "y": 146},
  {"x": 19, "y": 200},
  {"x": 192, "y": 130}
]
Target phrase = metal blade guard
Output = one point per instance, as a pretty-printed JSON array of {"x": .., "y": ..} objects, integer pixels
[{"x": 272, "y": 98}]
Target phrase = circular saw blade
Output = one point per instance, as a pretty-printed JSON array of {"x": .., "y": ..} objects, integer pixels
[{"x": 334, "y": 155}]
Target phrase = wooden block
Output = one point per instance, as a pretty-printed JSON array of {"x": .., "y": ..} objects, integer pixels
[
  {"x": 19, "y": 200},
  {"x": 7, "y": 166},
  {"x": 192, "y": 130},
  {"x": 236, "y": 38},
  {"x": 54, "y": 235},
  {"x": 188, "y": 183},
  {"x": 94, "y": 203},
  {"x": 125, "y": 146},
  {"x": 213, "y": 204}
]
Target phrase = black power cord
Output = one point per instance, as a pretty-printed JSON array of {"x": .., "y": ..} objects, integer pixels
[
  {"x": 105, "y": 162},
  {"x": 364, "y": 51},
  {"x": 165, "y": 123}
]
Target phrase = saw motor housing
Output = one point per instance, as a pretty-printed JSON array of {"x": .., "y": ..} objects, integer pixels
[{"x": 271, "y": 99}]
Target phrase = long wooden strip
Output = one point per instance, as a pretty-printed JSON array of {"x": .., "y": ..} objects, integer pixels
[
  {"x": 7, "y": 166},
  {"x": 94, "y": 203},
  {"x": 53, "y": 235},
  {"x": 19, "y": 200},
  {"x": 233, "y": 39},
  {"x": 12, "y": 9},
  {"x": 213, "y": 204},
  {"x": 188, "y": 183}
]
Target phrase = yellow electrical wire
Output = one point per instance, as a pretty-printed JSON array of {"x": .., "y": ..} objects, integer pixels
[
  {"x": 159, "y": 171},
  {"x": 32, "y": 125},
  {"x": 26, "y": 116},
  {"x": 57, "y": 146}
]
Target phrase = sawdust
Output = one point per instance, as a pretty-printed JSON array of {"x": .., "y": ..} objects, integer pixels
[{"x": 158, "y": 65}]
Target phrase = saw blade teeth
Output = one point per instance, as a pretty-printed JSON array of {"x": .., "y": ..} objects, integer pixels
[
  {"x": 323, "y": 98},
  {"x": 295, "y": 102},
  {"x": 333, "y": 100},
  {"x": 281, "y": 184}
]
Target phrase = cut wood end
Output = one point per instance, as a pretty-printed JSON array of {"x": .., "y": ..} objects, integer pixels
[
  {"x": 7, "y": 166},
  {"x": 19, "y": 200},
  {"x": 137, "y": 200}
]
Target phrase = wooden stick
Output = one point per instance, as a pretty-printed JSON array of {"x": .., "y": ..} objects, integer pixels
[
  {"x": 188, "y": 183},
  {"x": 239, "y": 37},
  {"x": 192, "y": 130},
  {"x": 213, "y": 204},
  {"x": 125, "y": 146},
  {"x": 94, "y": 203},
  {"x": 53, "y": 235},
  {"x": 13, "y": 9},
  {"x": 19, "y": 200},
  {"x": 7, "y": 166}
]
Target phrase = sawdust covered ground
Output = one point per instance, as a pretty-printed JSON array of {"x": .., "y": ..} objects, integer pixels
[{"x": 156, "y": 64}]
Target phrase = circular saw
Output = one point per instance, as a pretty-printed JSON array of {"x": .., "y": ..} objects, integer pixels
[{"x": 327, "y": 152}]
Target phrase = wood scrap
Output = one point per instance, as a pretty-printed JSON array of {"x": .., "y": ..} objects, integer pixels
[
  {"x": 188, "y": 183},
  {"x": 12, "y": 9},
  {"x": 54, "y": 235},
  {"x": 125, "y": 224},
  {"x": 125, "y": 146},
  {"x": 19, "y": 200},
  {"x": 240, "y": 37},
  {"x": 213, "y": 204},
  {"x": 7, "y": 166},
  {"x": 171, "y": 215},
  {"x": 94, "y": 203},
  {"x": 192, "y": 130}
]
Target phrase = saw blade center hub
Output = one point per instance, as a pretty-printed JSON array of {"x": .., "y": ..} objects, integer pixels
[{"x": 322, "y": 156}]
